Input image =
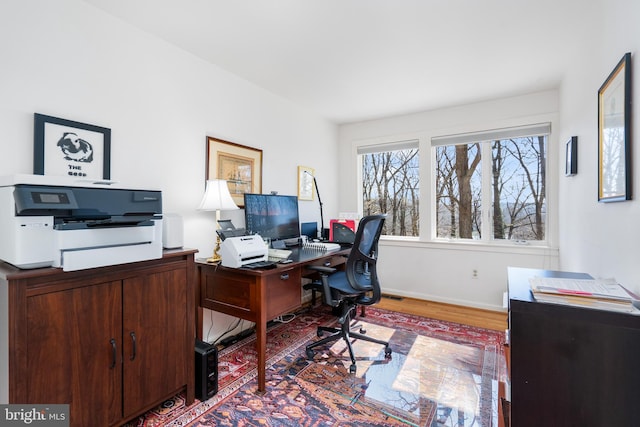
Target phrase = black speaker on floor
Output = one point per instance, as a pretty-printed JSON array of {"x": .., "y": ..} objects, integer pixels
[{"x": 206, "y": 370}]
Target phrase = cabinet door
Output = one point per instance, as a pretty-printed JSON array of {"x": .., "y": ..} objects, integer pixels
[
  {"x": 74, "y": 357},
  {"x": 157, "y": 348}
]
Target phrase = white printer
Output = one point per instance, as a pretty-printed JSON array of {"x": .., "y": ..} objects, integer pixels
[
  {"x": 242, "y": 250},
  {"x": 62, "y": 222}
]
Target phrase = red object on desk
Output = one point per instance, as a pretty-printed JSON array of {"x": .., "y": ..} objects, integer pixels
[{"x": 349, "y": 223}]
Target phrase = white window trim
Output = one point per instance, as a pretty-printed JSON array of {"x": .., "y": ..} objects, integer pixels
[
  {"x": 493, "y": 134},
  {"x": 543, "y": 128},
  {"x": 427, "y": 177}
]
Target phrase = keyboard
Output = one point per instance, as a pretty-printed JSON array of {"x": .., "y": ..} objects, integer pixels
[
  {"x": 260, "y": 265},
  {"x": 276, "y": 255}
]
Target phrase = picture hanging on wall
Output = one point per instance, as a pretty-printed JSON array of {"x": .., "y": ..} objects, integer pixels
[
  {"x": 614, "y": 134},
  {"x": 68, "y": 148},
  {"x": 239, "y": 165},
  {"x": 305, "y": 183}
]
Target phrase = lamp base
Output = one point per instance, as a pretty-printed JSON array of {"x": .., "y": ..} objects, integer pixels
[{"x": 216, "y": 255}]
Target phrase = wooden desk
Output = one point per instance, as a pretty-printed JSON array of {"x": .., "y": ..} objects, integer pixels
[
  {"x": 259, "y": 295},
  {"x": 570, "y": 366}
]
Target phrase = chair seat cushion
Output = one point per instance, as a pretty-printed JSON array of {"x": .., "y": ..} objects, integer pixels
[{"x": 339, "y": 282}]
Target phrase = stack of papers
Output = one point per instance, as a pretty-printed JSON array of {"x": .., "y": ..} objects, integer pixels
[
  {"x": 590, "y": 293},
  {"x": 321, "y": 246}
]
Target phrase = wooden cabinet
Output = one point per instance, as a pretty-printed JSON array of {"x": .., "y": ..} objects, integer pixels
[
  {"x": 68, "y": 356},
  {"x": 111, "y": 342},
  {"x": 570, "y": 366}
]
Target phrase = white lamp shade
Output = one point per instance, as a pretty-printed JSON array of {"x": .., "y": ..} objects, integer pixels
[{"x": 217, "y": 197}]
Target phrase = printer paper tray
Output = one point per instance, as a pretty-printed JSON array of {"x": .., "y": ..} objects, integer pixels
[
  {"x": 80, "y": 249},
  {"x": 100, "y": 257},
  {"x": 103, "y": 237}
]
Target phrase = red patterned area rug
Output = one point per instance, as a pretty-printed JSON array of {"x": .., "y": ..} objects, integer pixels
[{"x": 440, "y": 374}]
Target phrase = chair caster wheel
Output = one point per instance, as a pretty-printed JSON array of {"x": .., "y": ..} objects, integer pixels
[
  {"x": 387, "y": 352},
  {"x": 352, "y": 369},
  {"x": 319, "y": 333},
  {"x": 363, "y": 331},
  {"x": 310, "y": 354}
]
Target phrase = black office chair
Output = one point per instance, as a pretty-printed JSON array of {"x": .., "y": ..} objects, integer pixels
[{"x": 357, "y": 285}]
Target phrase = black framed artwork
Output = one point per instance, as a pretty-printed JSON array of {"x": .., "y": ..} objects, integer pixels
[
  {"x": 69, "y": 148},
  {"x": 614, "y": 134},
  {"x": 571, "y": 156}
]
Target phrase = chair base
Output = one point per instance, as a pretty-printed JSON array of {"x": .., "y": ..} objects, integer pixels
[{"x": 344, "y": 333}]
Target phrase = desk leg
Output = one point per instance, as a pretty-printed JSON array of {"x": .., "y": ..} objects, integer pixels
[
  {"x": 261, "y": 334},
  {"x": 261, "y": 348},
  {"x": 199, "y": 320}
]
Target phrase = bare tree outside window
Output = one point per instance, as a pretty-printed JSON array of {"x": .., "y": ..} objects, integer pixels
[
  {"x": 515, "y": 197},
  {"x": 489, "y": 186},
  {"x": 390, "y": 184}
]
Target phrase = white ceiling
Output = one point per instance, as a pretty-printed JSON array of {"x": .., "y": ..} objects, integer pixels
[{"x": 353, "y": 60}]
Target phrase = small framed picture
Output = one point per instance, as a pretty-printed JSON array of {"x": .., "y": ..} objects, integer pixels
[
  {"x": 305, "y": 183},
  {"x": 68, "y": 148},
  {"x": 571, "y": 167}
]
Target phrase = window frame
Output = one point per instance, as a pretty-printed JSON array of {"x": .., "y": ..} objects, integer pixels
[
  {"x": 427, "y": 176},
  {"x": 485, "y": 138},
  {"x": 381, "y": 147}
]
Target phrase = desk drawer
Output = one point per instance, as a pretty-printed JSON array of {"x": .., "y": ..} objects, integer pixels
[
  {"x": 230, "y": 293},
  {"x": 284, "y": 292}
]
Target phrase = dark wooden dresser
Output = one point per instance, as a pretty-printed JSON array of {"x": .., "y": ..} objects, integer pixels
[{"x": 570, "y": 366}]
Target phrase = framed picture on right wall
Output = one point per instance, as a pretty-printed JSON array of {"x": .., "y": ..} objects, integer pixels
[{"x": 614, "y": 134}]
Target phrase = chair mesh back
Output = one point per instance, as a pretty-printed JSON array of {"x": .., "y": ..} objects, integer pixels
[{"x": 361, "y": 265}]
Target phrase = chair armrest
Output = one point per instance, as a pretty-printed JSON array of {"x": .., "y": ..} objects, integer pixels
[{"x": 322, "y": 269}]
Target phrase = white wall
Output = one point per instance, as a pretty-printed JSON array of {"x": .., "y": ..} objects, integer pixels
[
  {"x": 444, "y": 271},
  {"x": 67, "y": 59},
  {"x": 600, "y": 238},
  {"x": 597, "y": 238}
]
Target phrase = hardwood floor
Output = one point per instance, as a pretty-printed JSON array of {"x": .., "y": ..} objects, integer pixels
[{"x": 495, "y": 320}]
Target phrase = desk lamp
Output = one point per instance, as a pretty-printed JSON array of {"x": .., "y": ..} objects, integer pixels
[{"x": 217, "y": 198}]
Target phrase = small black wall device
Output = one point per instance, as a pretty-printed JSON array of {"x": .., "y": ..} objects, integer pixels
[{"x": 206, "y": 370}]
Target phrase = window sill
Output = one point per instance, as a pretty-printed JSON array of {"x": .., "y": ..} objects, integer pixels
[{"x": 471, "y": 246}]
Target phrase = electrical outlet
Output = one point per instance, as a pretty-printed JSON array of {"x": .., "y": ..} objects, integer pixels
[{"x": 474, "y": 274}]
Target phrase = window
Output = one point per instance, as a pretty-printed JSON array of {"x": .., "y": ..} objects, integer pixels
[
  {"x": 492, "y": 185},
  {"x": 391, "y": 185}
]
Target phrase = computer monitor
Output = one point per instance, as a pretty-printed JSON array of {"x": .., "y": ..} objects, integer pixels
[
  {"x": 272, "y": 216},
  {"x": 309, "y": 229}
]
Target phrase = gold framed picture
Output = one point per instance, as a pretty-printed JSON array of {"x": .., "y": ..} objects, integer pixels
[
  {"x": 239, "y": 165},
  {"x": 305, "y": 183}
]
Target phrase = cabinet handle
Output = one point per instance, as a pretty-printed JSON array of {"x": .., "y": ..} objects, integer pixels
[
  {"x": 114, "y": 348},
  {"x": 284, "y": 276},
  {"x": 133, "y": 339}
]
